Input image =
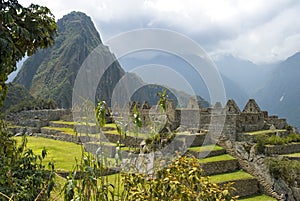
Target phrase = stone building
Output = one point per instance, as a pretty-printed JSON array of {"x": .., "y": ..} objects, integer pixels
[{"x": 229, "y": 119}]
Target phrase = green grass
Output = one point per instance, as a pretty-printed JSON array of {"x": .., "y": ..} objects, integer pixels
[
  {"x": 106, "y": 143},
  {"x": 206, "y": 148},
  {"x": 232, "y": 176},
  {"x": 69, "y": 131},
  {"x": 112, "y": 125},
  {"x": 223, "y": 157},
  {"x": 131, "y": 134},
  {"x": 258, "y": 197},
  {"x": 60, "y": 182},
  {"x": 62, "y": 153},
  {"x": 292, "y": 155},
  {"x": 262, "y": 132},
  {"x": 72, "y": 123}
]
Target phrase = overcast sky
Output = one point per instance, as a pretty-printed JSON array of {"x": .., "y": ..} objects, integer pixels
[{"x": 261, "y": 31}]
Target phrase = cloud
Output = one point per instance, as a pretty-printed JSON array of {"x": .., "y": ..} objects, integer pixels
[{"x": 260, "y": 31}]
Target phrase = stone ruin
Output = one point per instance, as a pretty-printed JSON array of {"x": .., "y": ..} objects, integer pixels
[
  {"x": 196, "y": 119},
  {"x": 193, "y": 118}
]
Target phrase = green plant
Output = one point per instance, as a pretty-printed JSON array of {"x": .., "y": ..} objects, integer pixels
[
  {"x": 283, "y": 168},
  {"x": 181, "y": 180},
  {"x": 263, "y": 140},
  {"x": 101, "y": 113},
  {"x": 22, "y": 174},
  {"x": 163, "y": 97},
  {"x": 260, "y": 144},
  {"x": 86, "y": 182}
]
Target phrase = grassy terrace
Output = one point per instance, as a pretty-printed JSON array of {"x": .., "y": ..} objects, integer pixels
[
  {"x": 232, "y": 176},
  {"x": 223, "y": 157},
  {"x": 265, "y": 132},
  {"x": 72, "y": 123},
  {"x": 292, "y": 155},
  {"x": 69, "y": 131},
  {"x": 258, "y": 197},
  {"x": 62, "y": 153},
  {"x": 206, "y": 148}
]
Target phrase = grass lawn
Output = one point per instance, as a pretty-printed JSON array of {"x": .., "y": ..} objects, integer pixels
[
  {"x": 62, "y": 153},
  {"x": 206, "y": 148},
  {"x": 230, "y": 176},
  {"x": 223, "y": 157},
  {"x": 265, "y": 132},
  {"x": 258, "y": 197}
]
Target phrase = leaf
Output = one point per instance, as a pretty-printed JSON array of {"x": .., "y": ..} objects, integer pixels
[{"x": 44, "y": 153}]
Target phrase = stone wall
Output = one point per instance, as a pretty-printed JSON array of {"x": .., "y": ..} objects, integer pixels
[
  {"x": 274, "y": 120},
  {"x": 36, "y": 118},
  {"x": 219, "y": 167},
  {"x": 206, "y": 153},
  {"x": 245, "y": 187},
  {"x": 283, "y": 149}
]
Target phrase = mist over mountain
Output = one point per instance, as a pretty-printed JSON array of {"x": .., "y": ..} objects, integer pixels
[
  {"x": 187, "y": 80},
  {"x": 281, "y": 93},
  {"x": 248, "y": 76},
  {"x": 50, "y": 73}
]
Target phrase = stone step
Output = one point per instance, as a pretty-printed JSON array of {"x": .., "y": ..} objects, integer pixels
[
  {"x": 128, "y": 141},
  {"x": 54, "y": 130},
  {"x": 109, "y": 149},
  {"x": 219, "y": 164},
  {"x": 206, "y": 151},
  {"x": 61, "y": 124},
  {"x": 83, "y": 127},
  {"x": 244, "y": 183},
  {"x": 193, "y": 140}
]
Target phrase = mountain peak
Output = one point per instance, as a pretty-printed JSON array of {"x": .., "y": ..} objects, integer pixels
[
  {"x": 77, "y": 23},
  {"x": 50, "y": 73}
]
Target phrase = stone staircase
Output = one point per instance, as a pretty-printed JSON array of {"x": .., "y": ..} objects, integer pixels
[
  {"x": 223, "y": 168},
  {"x": 264, "y": 186}
]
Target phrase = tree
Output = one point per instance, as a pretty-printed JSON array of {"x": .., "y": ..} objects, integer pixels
[{"x": 23, "y": 30}]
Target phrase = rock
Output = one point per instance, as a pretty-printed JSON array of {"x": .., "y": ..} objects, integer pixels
[
  {"x": 296, "y": 193},
  {"x": 272, "y": 127},
  {"x": 180, "y": 129},
  {"x": 241, "y": 151},
  {"x": 19, "y": 134},
  {"x": 252, "y": 153}
]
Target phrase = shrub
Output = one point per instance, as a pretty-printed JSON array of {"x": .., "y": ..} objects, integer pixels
[
  {"x": 22, "y": 175},
  {"x": 283, "y": 168},
  {"x": 181, "y": 180},
  {"x": 275, "y": 140}
]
